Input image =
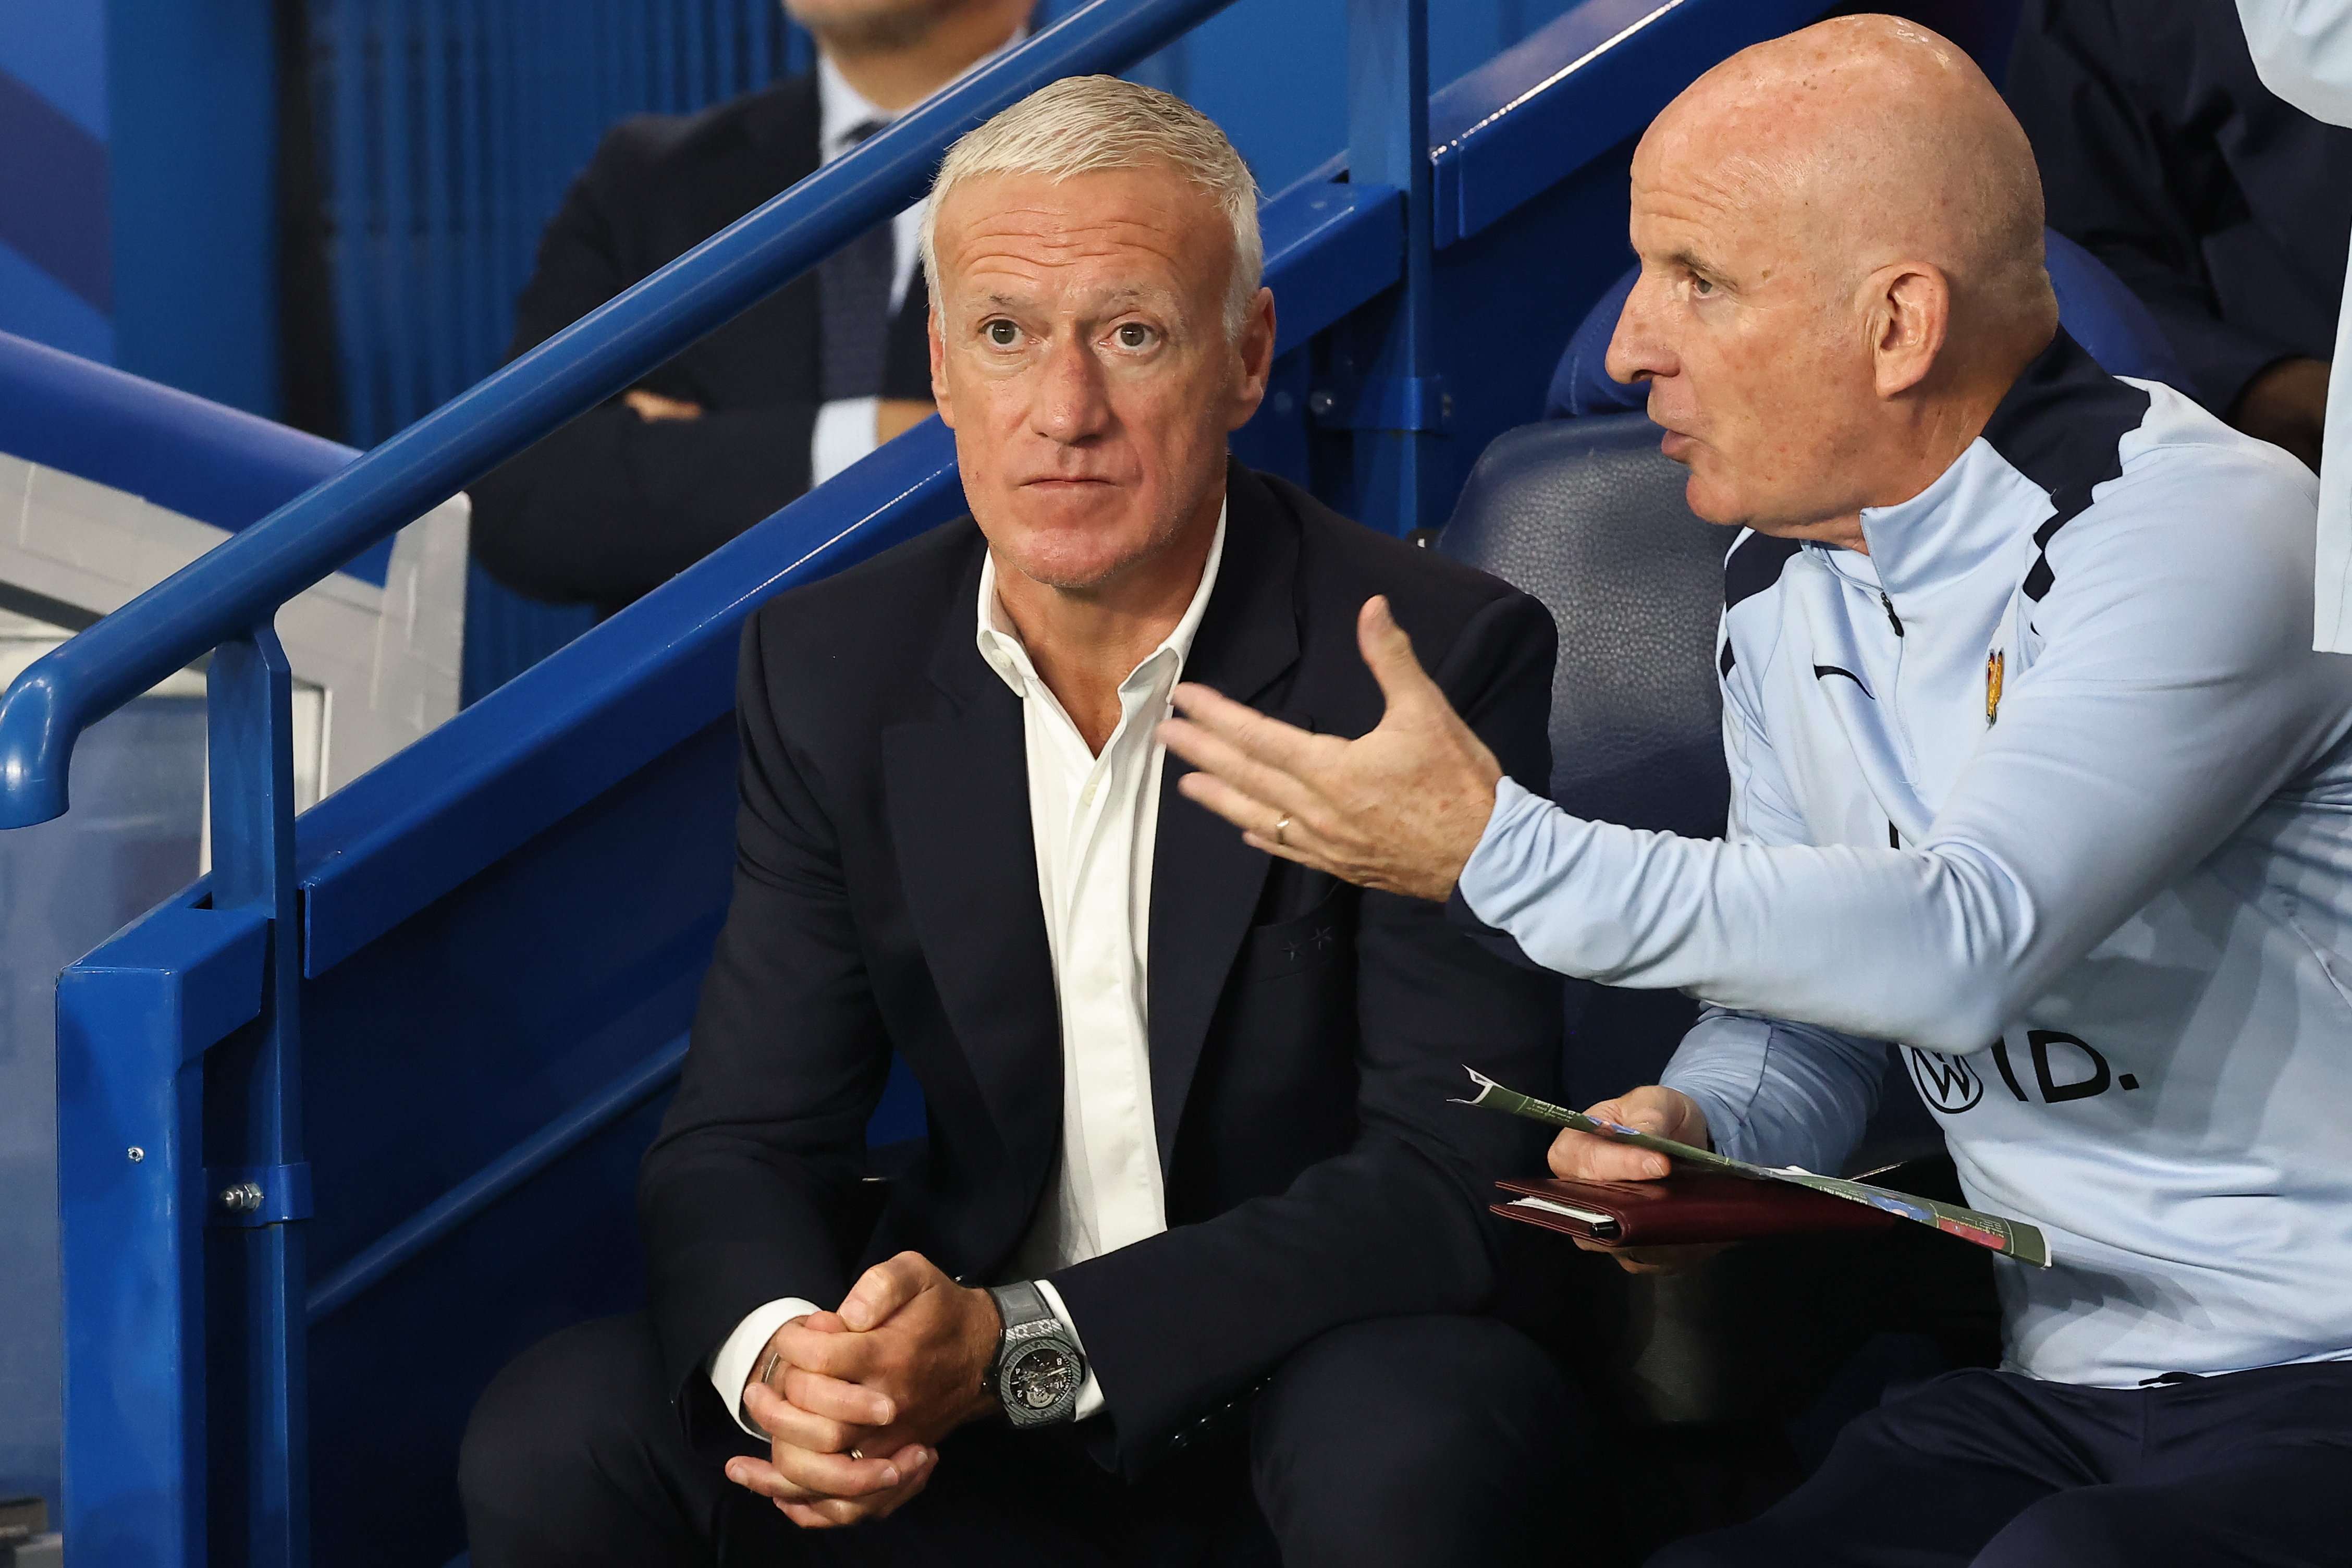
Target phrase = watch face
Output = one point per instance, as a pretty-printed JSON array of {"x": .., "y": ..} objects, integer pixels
[{"x": 1041, "y": 1378}]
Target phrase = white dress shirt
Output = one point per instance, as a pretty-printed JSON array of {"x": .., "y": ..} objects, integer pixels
[
  {"x": 2302, "y": 52},
  {"x": 1095, "y": 818}
]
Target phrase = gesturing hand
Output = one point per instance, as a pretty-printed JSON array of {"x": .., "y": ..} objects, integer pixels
[
  {"x": 901, "y": 1365},
  {"x": 1585, "y": 1157},
  {"x": 1400, "y": 810}
]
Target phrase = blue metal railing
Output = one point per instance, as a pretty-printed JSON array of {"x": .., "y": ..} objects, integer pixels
[
  {"x": 241, "y": 585},
  {"x": 199, "y": 458}
]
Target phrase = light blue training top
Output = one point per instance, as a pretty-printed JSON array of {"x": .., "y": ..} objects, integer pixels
[{"x": 2051, "y": 788}]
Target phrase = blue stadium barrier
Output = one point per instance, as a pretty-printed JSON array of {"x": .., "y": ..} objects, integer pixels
[
  {"x": 421, "y": 1037},
  {"x": 186, "y": 454}
]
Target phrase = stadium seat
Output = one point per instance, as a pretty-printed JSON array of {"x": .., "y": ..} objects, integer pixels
[
  {"x": 2104, "y": 316},
  {"x": 1722, "y": 1384}
]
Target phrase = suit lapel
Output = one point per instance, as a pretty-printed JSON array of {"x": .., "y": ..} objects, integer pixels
[
  {"x": 1204, "y": 880},
  {"x": 784, "y": 123},
  {"x": 958, "y": 799}
]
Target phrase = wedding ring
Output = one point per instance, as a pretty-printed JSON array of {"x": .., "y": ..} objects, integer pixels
[
  {"x": 769, "y": 1371},
  {"x": 856, "y": 1454},
  {"x": 1279, "y": 826}
]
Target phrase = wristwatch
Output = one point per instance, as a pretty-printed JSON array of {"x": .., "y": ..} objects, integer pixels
[{"x": 1038, "y": 1368}]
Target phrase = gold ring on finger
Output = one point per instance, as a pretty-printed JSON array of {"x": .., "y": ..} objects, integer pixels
[
  {"x": 856, "y": 1454},
  {"x": 1279, "y": 826}
]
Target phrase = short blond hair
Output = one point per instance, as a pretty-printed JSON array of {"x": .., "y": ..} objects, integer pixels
[{"x": 1082, "y": 124}]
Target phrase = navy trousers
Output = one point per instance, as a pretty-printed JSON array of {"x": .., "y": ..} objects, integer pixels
[
  {"x": 1988, "y": 1469},
  {"x": 1391, "y": 1443}
]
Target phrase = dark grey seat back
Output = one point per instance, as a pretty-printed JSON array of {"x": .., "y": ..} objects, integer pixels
[{"x": 1588, "y": 516}]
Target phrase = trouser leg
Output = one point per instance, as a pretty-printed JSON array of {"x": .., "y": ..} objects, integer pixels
[
  {"x": 1040, "y": 1499},
  {"x": 575, "y": 1459},
  {"x": 2252, "y": 1469},
  {"x": 1923, "y": 1481},
  {"x": 1419, "y": 1442}
]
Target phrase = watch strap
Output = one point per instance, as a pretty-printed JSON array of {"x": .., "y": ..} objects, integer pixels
[{"x": 1019, "y": 1305}]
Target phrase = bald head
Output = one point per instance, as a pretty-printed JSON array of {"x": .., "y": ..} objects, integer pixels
[
  {"x": 1840, "y": 237},
  {"x": 1870, "y": 140}
]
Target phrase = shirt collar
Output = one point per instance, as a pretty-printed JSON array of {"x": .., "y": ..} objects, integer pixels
[
  {"x": 1000, "y": 646},
  {"x": 2055, "y": 438},
  {"x": 842, "y": 109}
]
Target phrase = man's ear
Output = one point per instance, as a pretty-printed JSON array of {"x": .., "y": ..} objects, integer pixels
[
  {"x": 1911, "y": 312},
  {"x": 1255, "y": 350},
  {"x": 938, "y": 368}
]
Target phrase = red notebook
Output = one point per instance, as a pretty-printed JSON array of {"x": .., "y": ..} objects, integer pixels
[{"x": 1687, "y": 1209}]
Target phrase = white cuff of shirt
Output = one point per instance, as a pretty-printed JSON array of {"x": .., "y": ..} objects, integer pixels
[
  {"x": 1091, "y": 1395},
  {"x": 730, "y": 1369},
  {"x": 845, "y": 434}
]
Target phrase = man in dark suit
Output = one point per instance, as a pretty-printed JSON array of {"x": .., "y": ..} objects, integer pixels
[
  {"x": 631, "y": 493},
  {"x": 1192, "y": 1267},
  {"x": 2224, "y": 208}
]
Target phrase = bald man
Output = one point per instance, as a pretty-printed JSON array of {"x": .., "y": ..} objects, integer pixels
[{"x": 2034, "y": 771}]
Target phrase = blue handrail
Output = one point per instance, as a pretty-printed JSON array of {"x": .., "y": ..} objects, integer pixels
[
  {"x": 240, "y": 586},
  {"x": 218, "y": 465}
]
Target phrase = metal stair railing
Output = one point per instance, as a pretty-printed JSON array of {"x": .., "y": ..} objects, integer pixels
[{"x": 242, "y": 1126}]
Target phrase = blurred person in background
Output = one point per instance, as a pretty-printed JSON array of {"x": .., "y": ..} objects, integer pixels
[
  {"x": 2226, "y": 208},
  {"x": 779, "y": 400},
  {"x": 2303, "y": 49}
]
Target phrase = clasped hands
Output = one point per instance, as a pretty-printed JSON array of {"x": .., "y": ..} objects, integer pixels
[{"x": 855, "y": 1401}]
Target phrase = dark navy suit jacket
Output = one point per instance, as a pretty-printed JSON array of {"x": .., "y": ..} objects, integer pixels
[
  {"x": 2227, "y": 210},
  {"x": 1306, "y": 1038}
]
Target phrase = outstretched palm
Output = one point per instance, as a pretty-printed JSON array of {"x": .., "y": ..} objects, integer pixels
[{"x": 1399, "y": 810}]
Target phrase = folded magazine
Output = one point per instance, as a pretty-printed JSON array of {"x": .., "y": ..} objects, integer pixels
[{"x": 2010, "y": 1238}]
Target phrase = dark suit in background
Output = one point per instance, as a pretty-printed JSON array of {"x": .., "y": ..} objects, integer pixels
[
  {"x": 610, "y": 507},
  {"x": 2227, "y": 210},
  {"x": 1326, "y": 1203}
]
